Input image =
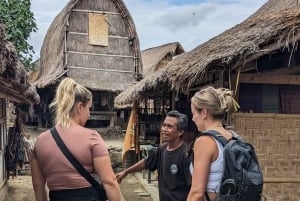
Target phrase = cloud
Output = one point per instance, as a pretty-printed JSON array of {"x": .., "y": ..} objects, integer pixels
[
  {"x": 160, "y": 22},
  {"x": 181, "y": 17},
  {"x": 190, "y": 22}
]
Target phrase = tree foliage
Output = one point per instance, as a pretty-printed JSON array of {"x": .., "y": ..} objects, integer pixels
[{"x": 19, "y": 23}]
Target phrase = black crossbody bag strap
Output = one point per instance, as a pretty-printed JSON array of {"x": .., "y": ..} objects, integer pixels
[
  {"x": 73, "y": 160},
  {"x": 207, "y": 197}
]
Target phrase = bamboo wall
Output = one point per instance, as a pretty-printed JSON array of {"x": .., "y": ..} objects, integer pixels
[
  {"x": 109, "y": 67},
  {"x": 276, "y": 138}
]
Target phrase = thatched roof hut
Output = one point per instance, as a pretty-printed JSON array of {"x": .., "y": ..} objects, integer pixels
[
  {"x": 154, "y": 60},
  {"x": 276, "y": 25},
  {"x": 156, "y": 57},
  {"x": 95, "y": 42},
  {"x": 14, "y": 81}
]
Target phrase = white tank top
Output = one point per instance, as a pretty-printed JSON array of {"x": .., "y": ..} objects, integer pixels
[{"x": 216, "y": 170}]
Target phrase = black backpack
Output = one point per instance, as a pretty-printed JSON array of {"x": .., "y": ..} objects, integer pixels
[{"x": 242, "y": 177}]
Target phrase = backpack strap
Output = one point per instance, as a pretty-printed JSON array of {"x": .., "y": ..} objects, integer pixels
[
  {"x": 191, "y": 145},
  {"x": 235, "y": 136},
  {"x": 218, "y": 136}
]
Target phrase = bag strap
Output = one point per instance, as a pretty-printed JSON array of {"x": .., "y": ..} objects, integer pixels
[
  {"x": 72, "y": 159},
  {"x": 218, "y": 136},
  {"x": 207, "y": 197}
]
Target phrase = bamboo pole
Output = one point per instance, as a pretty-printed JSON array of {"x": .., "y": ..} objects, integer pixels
[{"x": 281, "y": 180}]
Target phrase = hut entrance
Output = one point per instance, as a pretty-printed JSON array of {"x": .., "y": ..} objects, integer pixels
[
  {"x": 102, "y": 114},
  {"x": 151, "y": 114}
]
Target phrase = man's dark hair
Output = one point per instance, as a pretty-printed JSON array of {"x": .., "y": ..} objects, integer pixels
[{"x": 182, "y": 119}]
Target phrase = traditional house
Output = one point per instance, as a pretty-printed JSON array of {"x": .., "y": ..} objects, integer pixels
[
  {"x": 148, "y": 109},
  {"x": 259, "y": 60},
  {"x": 15, "y": 87},
  {"x": 94, "y": 42},
  {"x": 154, "y": 60}
]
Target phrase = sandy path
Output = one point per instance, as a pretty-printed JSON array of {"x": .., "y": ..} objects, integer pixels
[{"x": 20, "y": 189}]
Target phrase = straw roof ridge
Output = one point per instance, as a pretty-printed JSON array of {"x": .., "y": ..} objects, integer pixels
[
  {"x": 14, "y": 81},
  {"x": 275, "y": 25},
  {"x": 152, "y": 56}
]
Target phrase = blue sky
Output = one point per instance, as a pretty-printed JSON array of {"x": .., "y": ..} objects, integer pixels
[
  {"x": 183, "y": 2},
  {"x": 190, "y": 22}
]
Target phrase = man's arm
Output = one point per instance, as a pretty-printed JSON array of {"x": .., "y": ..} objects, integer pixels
[{"x": 134, "y": 168}]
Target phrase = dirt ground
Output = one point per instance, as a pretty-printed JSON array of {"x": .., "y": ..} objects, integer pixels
[
  {"x": 132, "y": 190},
  {"x": 20, "y": 188}
]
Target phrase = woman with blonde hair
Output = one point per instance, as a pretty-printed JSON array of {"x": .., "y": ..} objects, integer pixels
[
  {"x": 49, "y": 165},
  {"x": 209, "y": 107}
]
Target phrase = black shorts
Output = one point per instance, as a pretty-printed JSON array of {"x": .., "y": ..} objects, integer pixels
[{"x": 79, "y": 194}]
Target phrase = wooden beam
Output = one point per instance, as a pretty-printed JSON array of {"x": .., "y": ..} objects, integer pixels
[
  {"x": 95, "y": 11},
  {"x": 86, "y": 34},
  {"x": 281, "y": 180},
  {"x": 98, "y": 69},
  {"x": 269, "y": 79},
  {"x": 10, "y": 91},
  {"x": 105, "y": 55},
  {"x": 266, "y": 50}
]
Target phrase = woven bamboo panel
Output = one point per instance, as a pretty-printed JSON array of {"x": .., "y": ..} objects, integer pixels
[
  {"x": 276, "y": 139},
  {"x": 282, "y": 191}
]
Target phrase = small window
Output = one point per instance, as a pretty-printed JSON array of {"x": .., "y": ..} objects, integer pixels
[{"x": 98, "y": 29}]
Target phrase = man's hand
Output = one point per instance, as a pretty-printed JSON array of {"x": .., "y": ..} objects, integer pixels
[{"x": 121, "y": 175}]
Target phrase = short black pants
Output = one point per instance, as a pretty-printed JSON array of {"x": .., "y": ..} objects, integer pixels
[{"x": 79, "y": 194}]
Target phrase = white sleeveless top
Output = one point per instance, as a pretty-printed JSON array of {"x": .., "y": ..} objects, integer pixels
[{"x": 216, "y": 170}]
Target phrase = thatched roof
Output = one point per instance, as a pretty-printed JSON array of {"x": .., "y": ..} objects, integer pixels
[
  {"x": 274, "y": 26},
  {"x": 14, "y": 83},
  {"x": 156, "y": 57},
  {"x": 135, "y": 92},
  {"x": 34, "y": 73},
  {"x": 111, "y": 68},
  {"x": 154, "y": 60}
]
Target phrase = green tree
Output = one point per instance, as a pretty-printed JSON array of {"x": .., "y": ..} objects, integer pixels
[{"x": 19, "y": 23}]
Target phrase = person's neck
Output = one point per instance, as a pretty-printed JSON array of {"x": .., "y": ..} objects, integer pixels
[
  {"x": 215, "y": 126},
  {"x": 174, "y": 145},
  {"x": 75, "y": 122}
]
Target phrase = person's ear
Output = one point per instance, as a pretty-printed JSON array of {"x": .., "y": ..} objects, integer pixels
[
  {"x": 204, "y": 111},
  {"x": 181, "y": 133},
  {"x": 79, "y": 106}
]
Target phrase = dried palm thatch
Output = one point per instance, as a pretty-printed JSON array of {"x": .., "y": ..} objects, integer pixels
[
  {"x": 154, "y": 59},
  {"x": 66, "y": 50},
  {"x": 135, "y": 92},
  {"x": 14, "y": 82},
  {"x": 275, "y": 25},
  {"x": 34, "y": 73},
  {"x": 157, "y": 57}
]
